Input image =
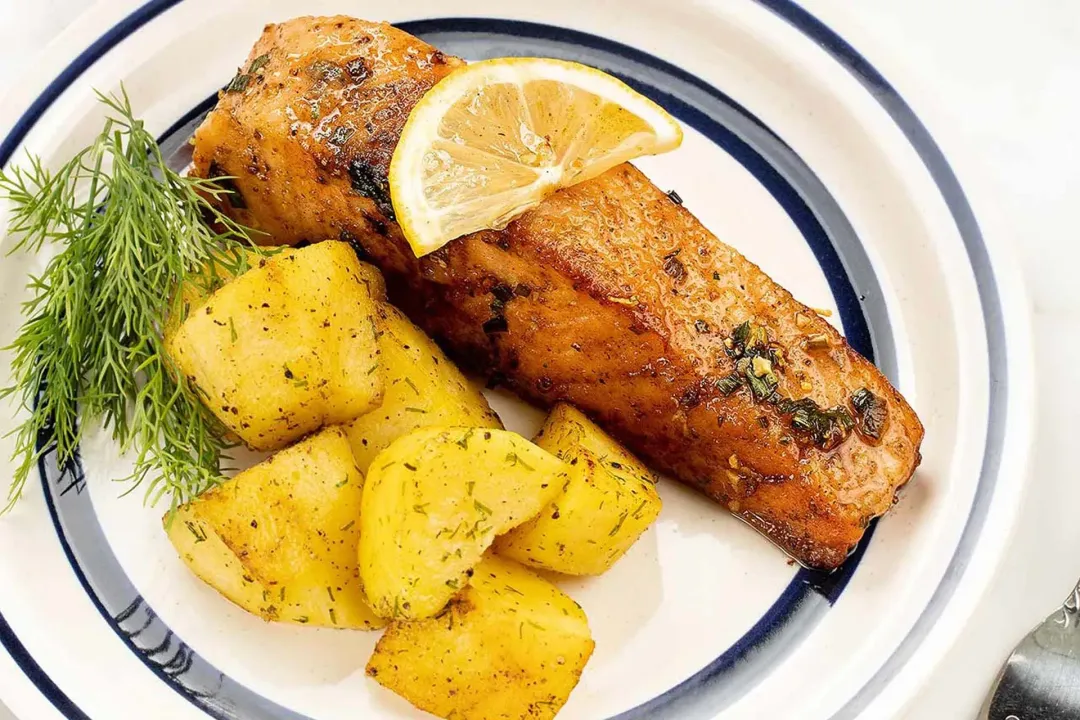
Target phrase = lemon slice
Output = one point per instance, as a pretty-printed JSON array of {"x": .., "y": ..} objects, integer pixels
[{"x": 494, "y": 138}]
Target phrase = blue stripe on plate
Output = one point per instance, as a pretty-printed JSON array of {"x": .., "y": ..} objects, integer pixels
[
  {"x": 33, "y": 671},
  {"x": 76, "y": 68},
  {"x": 979, "y": 256}
]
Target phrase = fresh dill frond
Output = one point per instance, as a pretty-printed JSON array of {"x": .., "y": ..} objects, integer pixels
[{"x": 127, "y": 231}]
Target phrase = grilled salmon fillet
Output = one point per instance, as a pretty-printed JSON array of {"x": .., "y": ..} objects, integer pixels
[{"x": 608, "y": 295}]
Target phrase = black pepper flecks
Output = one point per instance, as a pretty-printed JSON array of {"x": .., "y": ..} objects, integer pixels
[
  {"x": 691, "y": 397},
  {"x": 496, "y": 325},
  {"x": 377, "y": 224},
  {"x": 673, "y": 267},
  {"x": 503, "y": 292},
  {"x": 358, "y": 70}
]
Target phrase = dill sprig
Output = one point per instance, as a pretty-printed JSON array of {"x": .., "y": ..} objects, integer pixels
[{"x": 127, "y": 231}]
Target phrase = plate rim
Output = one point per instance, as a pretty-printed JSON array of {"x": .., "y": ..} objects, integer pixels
[{"x": 1012, "y": 314}]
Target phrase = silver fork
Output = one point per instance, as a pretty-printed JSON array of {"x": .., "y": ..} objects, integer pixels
[{"x": 1041, "y": 679}]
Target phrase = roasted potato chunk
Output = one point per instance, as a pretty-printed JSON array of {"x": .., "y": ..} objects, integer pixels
[
  {"x": 434, "y": 501},
  {"x": 511, "y": 646},
  {"x": 606, "y": 502},
  {"x": 206, "y": 555},
  {"x": 287, "y": 347},
  {"x": 292, "y": 524},
  {"x": 423, "y": 389}
]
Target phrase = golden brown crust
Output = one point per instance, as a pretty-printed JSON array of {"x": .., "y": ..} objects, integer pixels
[{"x": 608, "y": 295}]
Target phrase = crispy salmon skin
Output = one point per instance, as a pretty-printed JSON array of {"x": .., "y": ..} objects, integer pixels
[{"x": 608, "y": 295}]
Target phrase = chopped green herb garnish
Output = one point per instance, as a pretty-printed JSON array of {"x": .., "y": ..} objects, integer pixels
[
  {"x": 259, "y": 63},
  {"x": 416, "y": 410},
  {"x": 464, "y": 441},
  {"x": 622, "y": 519},
  {"x": 480, "y": 507},
  {"x": 729, "y": 383},
  {"x": 762, "y": 387},
  {"x": 747, "y": 336},
  {"x": 514, "y": 459},
  {"x": 422, "y": 509},
  {"x": 347, "y": 525},
  {"x": 826, "y": 428},
  {"x": 232, "y": 329},
  {"x": 239, "y": 83},
  {"x": 871, "y": 413},
  {"x": 200, "y": 536},
  {"x": 411, "y": 384}
]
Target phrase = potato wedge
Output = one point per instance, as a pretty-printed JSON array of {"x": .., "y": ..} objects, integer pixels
[
  {"x": 608, "y": 500},
  {"x": 434, "y": 501},
  {"x": 207, "y": 555},
  {"x": 422, "y": 389},
  {"x": 287, "y": 347},
  {"x": 293, "y": 524},
  {"x": 511, "y": 646}
]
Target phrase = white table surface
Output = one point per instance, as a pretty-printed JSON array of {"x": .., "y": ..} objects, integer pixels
[{"x": 1001, "y": 79}]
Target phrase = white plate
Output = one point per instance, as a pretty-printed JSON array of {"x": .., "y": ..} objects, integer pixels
[{"x": 799, "y": 154}]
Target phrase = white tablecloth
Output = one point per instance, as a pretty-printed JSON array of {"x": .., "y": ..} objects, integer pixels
[{"x": 999, "y": 77}]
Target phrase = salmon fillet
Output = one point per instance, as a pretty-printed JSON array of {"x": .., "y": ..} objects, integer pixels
[{"x": 608, "y": 295}]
